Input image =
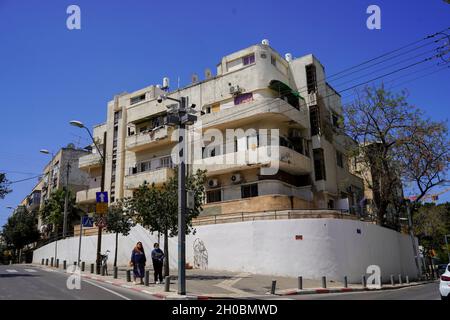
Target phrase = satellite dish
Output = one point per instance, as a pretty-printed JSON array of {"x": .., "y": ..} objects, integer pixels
[
  {"x": 208, "y": 74},
  {"x": 194, "y": 78}
]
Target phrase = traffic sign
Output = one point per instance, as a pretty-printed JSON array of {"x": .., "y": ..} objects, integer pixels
[
  {"x": 101, "y": 222},
  {"x": 87, "y": 222},
  {"x": 101, "y": 197},
  {"x": 101, "y": 208}
]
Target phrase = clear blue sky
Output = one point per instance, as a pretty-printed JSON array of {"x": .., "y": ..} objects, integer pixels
[{"x": 50, "y": 75}]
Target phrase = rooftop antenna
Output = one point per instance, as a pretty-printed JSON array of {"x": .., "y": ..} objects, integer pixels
[
  {"x": 178, "y": 82},
  {"x": 208, "y": 74}
]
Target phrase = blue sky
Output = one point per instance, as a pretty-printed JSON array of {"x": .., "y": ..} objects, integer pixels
[{"x": 50, "y": 75}]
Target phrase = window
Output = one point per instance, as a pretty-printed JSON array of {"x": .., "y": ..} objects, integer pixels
[
  {"x": 248, "y": 59},
  {"x": 142, "y": 129},
  {"x": 243, "y": 98},
  {"x": 339, "y": 159},
  {"x": 273, "y": 60},
  {"x": 249, "y": 190},
  {"x": 311, "y": 79},
  {"x": 336, "y": 120},
  {"x": 314, "y": 118},
  {"x": 117, "y": 116},
  {"x": 213, "y": 195},
  {"x": 319, "y": 164},
  {"x": 137, "y": 99},
  {"x": 215, "y": 107}
]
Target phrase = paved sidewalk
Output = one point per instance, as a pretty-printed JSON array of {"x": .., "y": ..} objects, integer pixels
[{"x": 211, "y": 284}]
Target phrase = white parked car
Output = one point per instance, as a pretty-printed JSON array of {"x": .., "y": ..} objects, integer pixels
[{"x": 444, "y": 286}]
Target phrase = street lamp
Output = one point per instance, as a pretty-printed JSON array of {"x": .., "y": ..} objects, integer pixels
[
  {"x": 181, "y": 117},
  {"x": 80, "y": 124}
]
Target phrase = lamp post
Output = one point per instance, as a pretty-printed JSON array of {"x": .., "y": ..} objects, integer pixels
[
  {"x": 79, "y": 124},
  {"x": 181, "y": 117}
]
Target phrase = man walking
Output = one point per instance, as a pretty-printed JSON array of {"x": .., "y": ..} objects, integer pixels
[{"x": 157, "y": 259}]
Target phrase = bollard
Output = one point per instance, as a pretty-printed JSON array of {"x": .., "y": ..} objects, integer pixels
[
  {"x": 147, "y": 278},
  {"x": 407, "y": 279},
  {"x": 167, "y": 284},
  {"x": 274, "y": 285},
  {"x": 363, "y": 281},
  {"x": 42, "y": 261},
  {"x": 51, "y": 262},
  {"x": 300, "y": 283},
  {"x": 400, "y": 279},
  {"x": 75, "y": 263},
  {"x": 128, "y": 275},
  {"x": 57, "y": 263},
  {"x": 116, "y": 271},
  {"x": 392, "y": 280},
  {"x": 46, "y": 262},
  {"x": 83, "y": 265},
  {"x": 324, "y": 282},
  {"x": 64, "y": 264},
  {"x": 92, "y": 268},
  {"x": 345, "y": 282}
]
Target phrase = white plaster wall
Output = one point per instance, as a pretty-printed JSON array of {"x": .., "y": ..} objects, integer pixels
[{"x": 330, "y": 247}]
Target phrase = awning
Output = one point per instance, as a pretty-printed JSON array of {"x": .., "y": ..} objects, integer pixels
[{"x": 285, "y": 91}]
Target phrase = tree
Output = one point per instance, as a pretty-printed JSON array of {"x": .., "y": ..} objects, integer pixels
[
  {"x": 156, "y": 207},
  {"x": 52, "y": 212},
  {"x": 397, "y": 145},
  {"x": 118, "y": 221},
  {"x": 4, "y": 190},
  {"x": 20, "y": 229}
]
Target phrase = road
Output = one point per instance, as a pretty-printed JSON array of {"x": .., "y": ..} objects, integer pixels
[
  {"x": 422, "y": 292},
  {"x": 31, "y": 283}
]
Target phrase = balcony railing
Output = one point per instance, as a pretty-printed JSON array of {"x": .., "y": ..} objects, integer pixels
[
  {"x": 90, "y": 161},
  {"x": 142, "y": 141},
  {"x": 87, "y": 196},
  {"x": 157, "y": 177}
]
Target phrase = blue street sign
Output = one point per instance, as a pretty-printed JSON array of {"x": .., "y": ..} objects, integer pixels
[
  {"x": 87, "y": 222},
  {"x": 101, "y": 197}
]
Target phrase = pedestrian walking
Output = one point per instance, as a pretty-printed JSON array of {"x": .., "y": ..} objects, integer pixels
[
  {"x": 138, "y": 260},
  {"x": 157, "y": 259}
]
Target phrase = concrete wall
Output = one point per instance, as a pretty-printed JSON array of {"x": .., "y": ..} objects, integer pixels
[{"x": 331, "y": 247}]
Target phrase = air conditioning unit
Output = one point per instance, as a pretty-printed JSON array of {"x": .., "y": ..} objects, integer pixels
[
  {"x": 213, "y": 183},
  {"x": 235, "y": 178},
  {"x": 235, "y": 90}
]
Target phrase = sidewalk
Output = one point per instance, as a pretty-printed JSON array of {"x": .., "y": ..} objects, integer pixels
[{"x": 209, "y": 284}]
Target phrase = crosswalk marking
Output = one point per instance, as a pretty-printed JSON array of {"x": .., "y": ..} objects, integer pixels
[
  {"x": 30, "y": 270},
  {"x": 11, "y": 270}
]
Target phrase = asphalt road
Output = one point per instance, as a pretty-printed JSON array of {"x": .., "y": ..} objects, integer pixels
[
  {"x": 20, "y": 282},
  {"x": 422, "y": 292}
]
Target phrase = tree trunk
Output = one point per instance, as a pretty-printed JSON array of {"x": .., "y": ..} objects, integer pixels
[
  {"x": 115, "y": 253},
  {"x": 166, "y": 254}
]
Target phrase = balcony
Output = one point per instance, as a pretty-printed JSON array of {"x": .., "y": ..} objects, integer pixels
[
  {"x": 287, "y": 160},
  {"x": 87, "y": 196},
  {"x": 141, "y": 141},
  {"x": 158, "y": 177},
  {"x": 90, "y": 161},
  {"x": 275, "y": 110}
]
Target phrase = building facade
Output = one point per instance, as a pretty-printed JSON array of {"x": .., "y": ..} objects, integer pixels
[{"x": 255, "y": 90}]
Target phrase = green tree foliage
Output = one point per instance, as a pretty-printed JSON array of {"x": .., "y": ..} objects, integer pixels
[
  {"x": 4, "y": 190},
  {"x": 156, "y": 207},
  {"x": 52, "y": 211},
  {"x": 20, "y": 229},
  {"x": 119, "y": 222}
]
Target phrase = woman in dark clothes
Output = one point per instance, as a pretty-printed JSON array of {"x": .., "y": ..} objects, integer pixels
[{"x": 138, "y": 260}]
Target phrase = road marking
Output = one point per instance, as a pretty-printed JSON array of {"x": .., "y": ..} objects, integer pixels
[
  {"x": 228, "y": 284},
  {"x": 106, "y": 289},
  {"x": 30, "y": 270},
  {"x": 11, "y": 270}
]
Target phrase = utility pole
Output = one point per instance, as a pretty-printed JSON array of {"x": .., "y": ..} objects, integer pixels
[
  {"x": 411, "y": 233},
  {"x": 102, "y": 188},
  {"x": 181, "y": 117},
  {"x": 66, "y": 199}
]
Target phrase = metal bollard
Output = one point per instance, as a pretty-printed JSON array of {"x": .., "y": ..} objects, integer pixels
[
  {"x": 400, "y": 279},
  {"x": 64, "y": 264},
  {"x": 46, "y": 262},
  {"x": 92, "y": 268},
  {"x": 83, "y": 265},
  {"x": 392, "y": 280},
  {"x": 57, "y": 263},
  {"x": 167, "y": 284},
  {"x": 407, "y": 279},
  {"x": 345, "y": 282},
  {"x": 51, "y": 261},
  {"x": 128, "y": 275},
  {"x": 116, "y": 271},
  {"x": 147, "y": 278},
  {"x": 42, "y": 261},
  {"x": 274, "y": 285},
  {"x": 324, "y": 282},
  {"x": 363, "y": 281},
  {"x": 300, "y": 283}
]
